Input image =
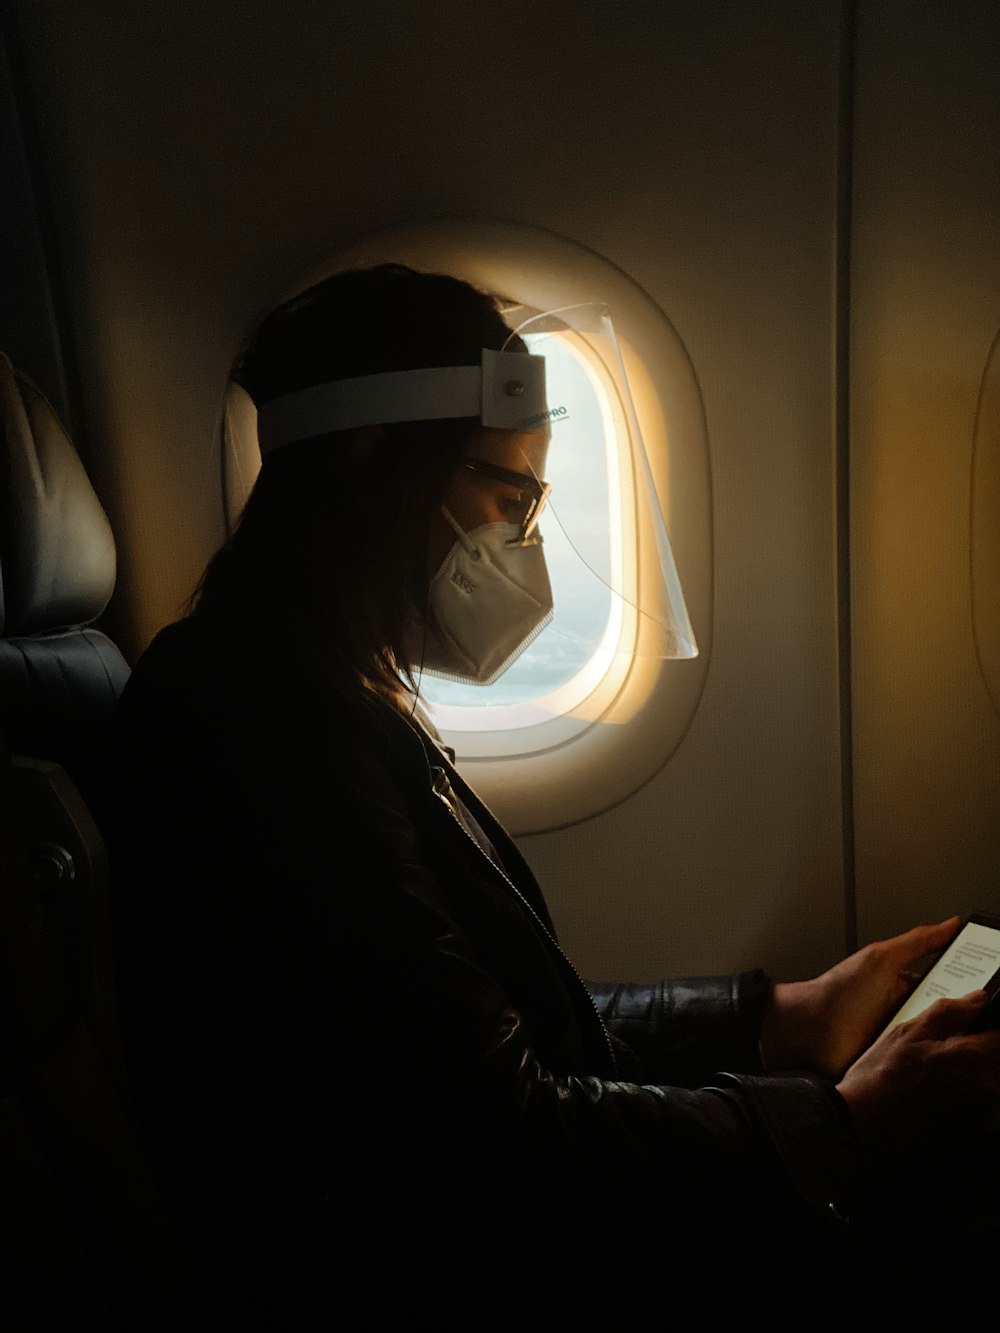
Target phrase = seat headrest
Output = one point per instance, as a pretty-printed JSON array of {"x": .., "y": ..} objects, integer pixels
[{"x": 57, "y": 552}]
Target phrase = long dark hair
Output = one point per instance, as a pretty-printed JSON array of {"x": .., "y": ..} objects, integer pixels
[{"x": 331, "y": 547}]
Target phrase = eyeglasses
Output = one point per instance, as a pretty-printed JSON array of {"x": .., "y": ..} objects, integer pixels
[{"x": 529, "y": 504}]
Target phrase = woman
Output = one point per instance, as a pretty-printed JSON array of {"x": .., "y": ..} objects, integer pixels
[{"x": 351, "y": 1035}]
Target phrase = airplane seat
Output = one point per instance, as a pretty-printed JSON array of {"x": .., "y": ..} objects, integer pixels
[
  {"x": 59, "y": 677},
  {"x": 86, "y": 1239}
]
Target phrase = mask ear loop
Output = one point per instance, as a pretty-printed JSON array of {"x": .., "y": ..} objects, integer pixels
[
  {"x": 463, "y": 537},
  {"x": 473, "y": 552},
  {"x": 418, "y": 675}
]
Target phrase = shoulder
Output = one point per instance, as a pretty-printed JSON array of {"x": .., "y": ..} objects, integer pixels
[
  {"x": 221, "y": 671},
  {"x": 181, "y": 659},
  {"x": 245, "y": 699}
]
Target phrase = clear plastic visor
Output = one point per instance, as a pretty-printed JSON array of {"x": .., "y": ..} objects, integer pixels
[{"x": 598, "y": 513}]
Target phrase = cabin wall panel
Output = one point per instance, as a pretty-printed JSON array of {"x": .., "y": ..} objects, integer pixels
[{"x": 926, "y": 310}]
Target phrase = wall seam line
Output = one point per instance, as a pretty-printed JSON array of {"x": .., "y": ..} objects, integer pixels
[{"x": 842, "y": 443}]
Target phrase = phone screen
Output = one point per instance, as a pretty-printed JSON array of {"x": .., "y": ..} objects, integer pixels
[{"x": 969, "y": 963}]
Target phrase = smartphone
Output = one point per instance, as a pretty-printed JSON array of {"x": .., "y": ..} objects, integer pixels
[{"x": 970, "y": 962}]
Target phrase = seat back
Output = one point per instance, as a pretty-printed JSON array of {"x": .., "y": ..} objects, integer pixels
[
  {"x": 86, "y": 1238},
  {"x": 59, "y": 677}
]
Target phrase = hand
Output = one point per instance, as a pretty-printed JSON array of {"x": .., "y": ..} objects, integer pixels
[
  {"x": 927, "y": 1080},
  {"x": 824, "y": 1024}
]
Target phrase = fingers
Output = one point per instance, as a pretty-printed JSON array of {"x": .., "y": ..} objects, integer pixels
[
  {"x": 948, "y": 1018},
  {"x": 921, "y": 940}
]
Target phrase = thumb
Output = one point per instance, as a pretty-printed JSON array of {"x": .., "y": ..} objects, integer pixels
[
  {"x": 949, "y": 1018},
  {"x": 922, "y": 940}
]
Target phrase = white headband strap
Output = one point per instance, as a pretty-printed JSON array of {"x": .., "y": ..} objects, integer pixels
[{"x": 506, "y": 391}]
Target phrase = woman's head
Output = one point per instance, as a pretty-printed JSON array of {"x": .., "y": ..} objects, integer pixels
[
  {"x": 368, "y": 321},
  {"x": 335, "y": 535}
]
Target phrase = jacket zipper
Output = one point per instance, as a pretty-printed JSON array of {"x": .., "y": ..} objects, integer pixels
[{"x": 553, "y": 942}]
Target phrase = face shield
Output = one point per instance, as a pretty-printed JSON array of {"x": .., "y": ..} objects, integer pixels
[
  {"x": 615, "y": 583},
  {"x": 561, "y": 447}
]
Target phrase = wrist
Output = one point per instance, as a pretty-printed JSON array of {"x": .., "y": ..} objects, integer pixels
[{"x": 789, "y": 1033}]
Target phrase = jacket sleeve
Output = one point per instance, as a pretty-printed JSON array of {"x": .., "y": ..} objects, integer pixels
[
  {"x": 444, "y": 1043},
  {"x": 736, "y": 1147},
  {"x": 682, "y": 1031}
]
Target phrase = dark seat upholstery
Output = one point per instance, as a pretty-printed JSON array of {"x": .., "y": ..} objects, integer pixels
[
  {"x": 86, "y": 1240},
  {"x": 59, "y": 679}
]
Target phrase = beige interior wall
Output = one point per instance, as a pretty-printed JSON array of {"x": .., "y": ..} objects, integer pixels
[
  {"x": 203, "y": 156},
  {"x": 926, "y": 310}
]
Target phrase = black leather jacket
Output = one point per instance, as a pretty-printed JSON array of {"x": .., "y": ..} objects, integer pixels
[{"x": 338, "y": 1005}]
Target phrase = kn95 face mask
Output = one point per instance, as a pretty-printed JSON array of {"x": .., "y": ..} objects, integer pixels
[{"x": 487, "y": 602}]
